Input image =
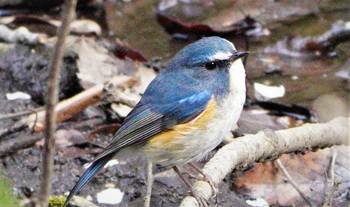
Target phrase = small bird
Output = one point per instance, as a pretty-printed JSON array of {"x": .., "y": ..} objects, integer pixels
[{"x": 185, "y": 112}]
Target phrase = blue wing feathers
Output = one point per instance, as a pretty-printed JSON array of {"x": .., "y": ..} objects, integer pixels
[
  {"x": 147, "y": 120},
  {"x": 185, "y": 109}
]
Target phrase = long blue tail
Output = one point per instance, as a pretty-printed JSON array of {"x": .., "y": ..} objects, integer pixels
[{"x": 94, "y": 168}]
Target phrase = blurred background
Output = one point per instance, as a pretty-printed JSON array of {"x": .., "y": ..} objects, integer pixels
[{"x": 298, "y": 71}]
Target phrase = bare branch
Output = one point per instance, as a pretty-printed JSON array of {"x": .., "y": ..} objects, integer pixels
[
  {"x": 76, "y": 104},
  {"x": 18, "y": 114},
  {"x": 267, "y": 145},
  {"x": 52, "y": 99}
]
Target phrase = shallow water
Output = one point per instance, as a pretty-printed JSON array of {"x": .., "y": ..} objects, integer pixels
[{"x": 304, "y": 79}]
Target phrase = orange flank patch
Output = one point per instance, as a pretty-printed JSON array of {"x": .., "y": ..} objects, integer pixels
[{"x": 200, "y": 122}]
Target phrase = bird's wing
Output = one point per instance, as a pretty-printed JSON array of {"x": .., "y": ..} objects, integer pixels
[{"x": 145, "y": 121}]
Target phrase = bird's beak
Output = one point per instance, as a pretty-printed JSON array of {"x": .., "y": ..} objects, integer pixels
[{"x": 238, "y": 55}]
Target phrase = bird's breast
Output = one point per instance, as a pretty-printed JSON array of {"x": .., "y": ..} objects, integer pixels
[{"x": 190, "y": 141}]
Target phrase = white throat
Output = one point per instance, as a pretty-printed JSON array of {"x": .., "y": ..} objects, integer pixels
[
  {"x": 237, "y": 77},
  {"x": 233, "y": 104}
]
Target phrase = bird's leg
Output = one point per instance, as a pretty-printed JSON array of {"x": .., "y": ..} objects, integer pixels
[
  {"x": 190, "y": 175},
  {"x": 207, "y": 179},
  {"x": 201, "y": 201},
  {"x": 179, "y": 173}
]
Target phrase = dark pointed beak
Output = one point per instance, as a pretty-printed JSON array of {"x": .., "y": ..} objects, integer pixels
[{"x": 238, "y": 55}]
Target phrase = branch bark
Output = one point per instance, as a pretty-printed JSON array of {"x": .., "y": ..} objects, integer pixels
[
  {"x": 267, "y": 145},
  {"x": 74, "y": 105},
  {"x": 52, "y": 99}
]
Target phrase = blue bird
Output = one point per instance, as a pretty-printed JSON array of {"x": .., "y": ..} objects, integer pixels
[{"x": 185, "y": 112}]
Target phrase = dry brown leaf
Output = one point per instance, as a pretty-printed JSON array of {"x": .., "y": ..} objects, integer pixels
[
  {"x": 309, "y": 172},
  {"x": 85, "y": 26}
]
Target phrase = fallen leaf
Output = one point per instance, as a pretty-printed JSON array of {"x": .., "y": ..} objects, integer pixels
[
  {"x": 97, "y": 65},
  {"x": 265, "y": 92},
  {"x": 18, "y": 95},
  {"x": 122, "y": 50},
  {"x": 175, "y": 26},
  {"x": 85, "y": 27},
  {"x": 266, "y": 181},
  {"x": 79, "y": 26}
]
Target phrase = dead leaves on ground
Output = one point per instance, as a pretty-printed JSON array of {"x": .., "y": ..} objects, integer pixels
[{"x": 311, "y": 171}]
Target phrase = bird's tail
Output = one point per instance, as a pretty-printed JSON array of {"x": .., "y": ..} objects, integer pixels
[{"x": 94, "y": 168}]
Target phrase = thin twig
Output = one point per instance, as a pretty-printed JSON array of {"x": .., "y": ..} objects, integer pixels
[
  {"x": 18, "y": 125},
  {"x": 329, "y": 193},
  {"x": 35, "y": 121},
  {"x": 52, "y": 99},
  {"x": 149, "y": 184},
  {"x": 291, "y": 180},
  {"x": 19, "y": 114}
]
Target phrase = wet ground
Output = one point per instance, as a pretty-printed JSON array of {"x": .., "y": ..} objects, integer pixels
[{"x": 305, "y": 79}]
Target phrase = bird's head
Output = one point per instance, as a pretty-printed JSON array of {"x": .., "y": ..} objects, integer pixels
[{"x": 214, "y": 62}]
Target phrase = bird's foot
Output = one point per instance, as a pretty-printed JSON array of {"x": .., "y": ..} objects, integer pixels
[
  {"x": 207, "y": 179},
  {"x": 191, "y": 176},
  {"x": 212, "y": 185},
  {"x": 201, "y": 201}
]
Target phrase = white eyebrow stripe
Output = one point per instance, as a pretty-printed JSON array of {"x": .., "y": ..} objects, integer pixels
[{"x": 220, "y": 56}]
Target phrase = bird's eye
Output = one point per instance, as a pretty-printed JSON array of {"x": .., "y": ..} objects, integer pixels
[{"x": 211, "y": 65}]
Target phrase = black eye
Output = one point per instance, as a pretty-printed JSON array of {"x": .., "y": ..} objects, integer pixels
[{"x": 210, "y": 65}]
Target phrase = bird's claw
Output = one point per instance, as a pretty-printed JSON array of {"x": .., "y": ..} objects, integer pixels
[
  {"x": 201, "y": 201},
  {"x": 206, "y": 179},
  {"x": 190, "y": 175},
  {"x": 212, "y": 185}
]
